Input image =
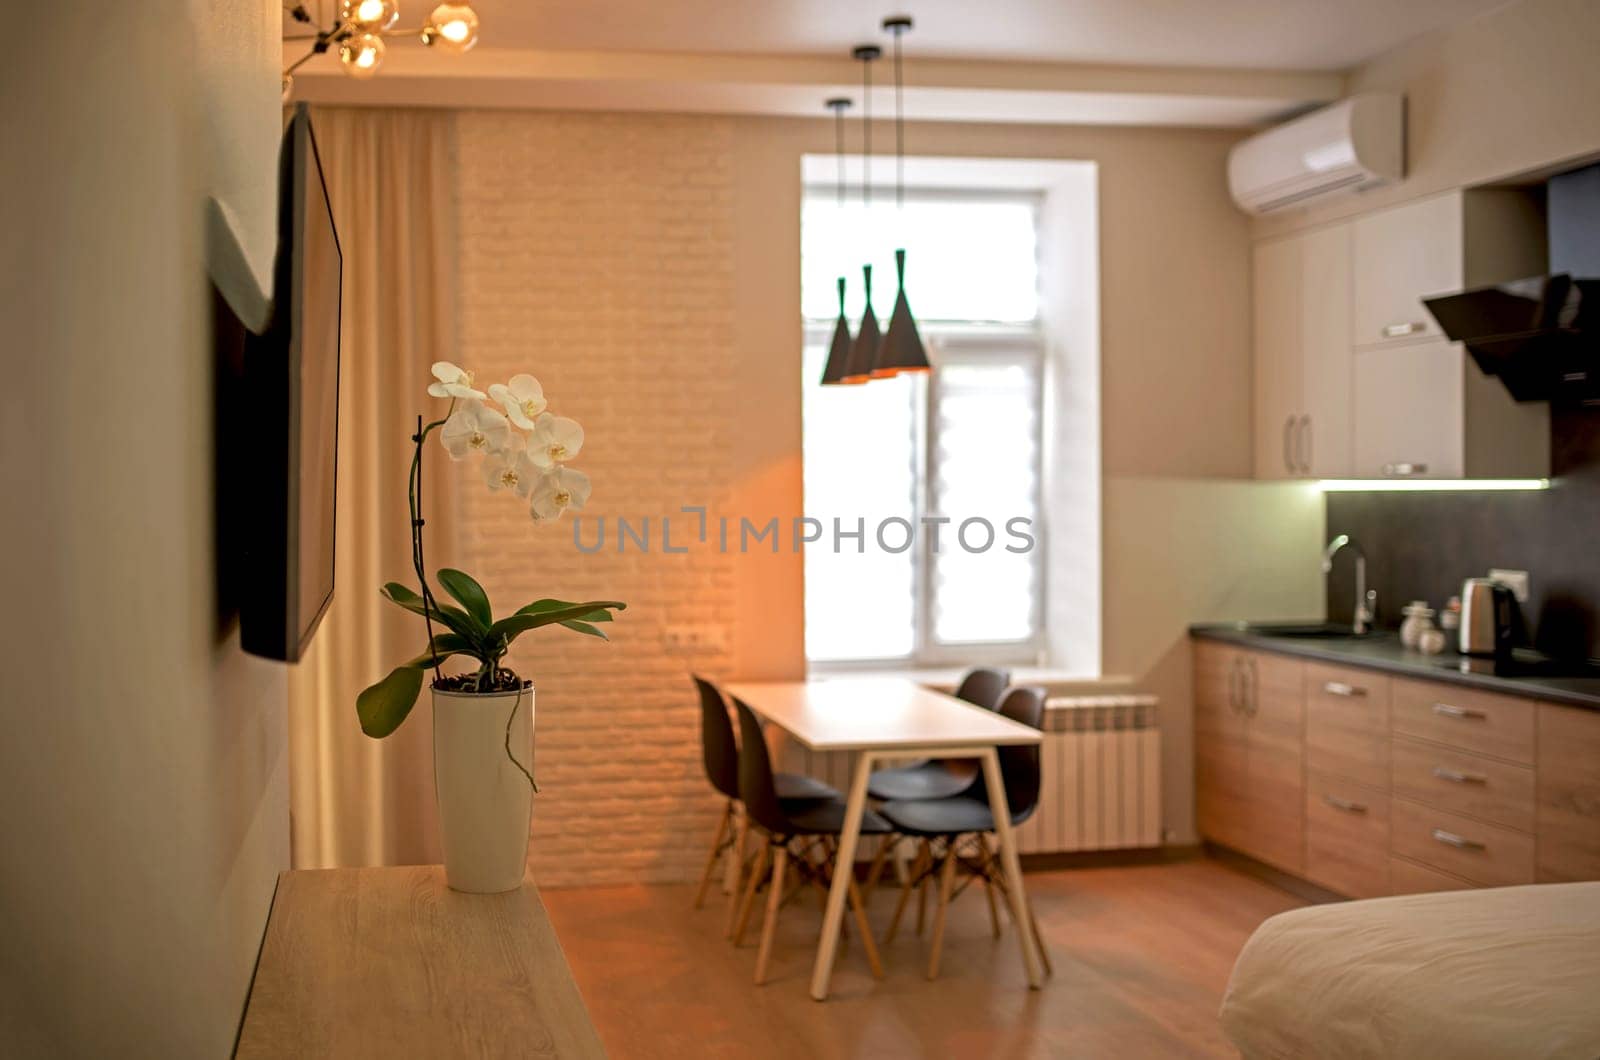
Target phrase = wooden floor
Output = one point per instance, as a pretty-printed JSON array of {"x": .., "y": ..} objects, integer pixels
[{"x": 1141, "y": 953}]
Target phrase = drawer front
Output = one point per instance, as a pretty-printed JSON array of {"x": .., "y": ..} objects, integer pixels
[
  {"x": 1347, "y": 724},
  {"x": 1347, "y": 837},
  {"x": 1407, "y": 877},
  {"x": 1479, "y": 722},
  {"x": 1482, "y": 853},
  {"x": 1485, "y": 788}
]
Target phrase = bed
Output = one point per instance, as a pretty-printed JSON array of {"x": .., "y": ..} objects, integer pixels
[{"x": 1505, "y": 972}]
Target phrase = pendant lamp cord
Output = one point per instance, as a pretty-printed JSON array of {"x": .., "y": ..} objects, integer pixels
[
  {"x": 838, "y": 149},
  {"x": 866, "y": 132},
  {"x": 899, "y": 130}
]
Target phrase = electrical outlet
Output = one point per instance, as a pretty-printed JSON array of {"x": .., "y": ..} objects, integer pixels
[
  {"x": 694, "y": 639},
  {"x": 1515, "y": 580}
]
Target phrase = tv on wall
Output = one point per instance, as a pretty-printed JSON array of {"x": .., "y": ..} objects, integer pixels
[{"x": 291, "y": 399}]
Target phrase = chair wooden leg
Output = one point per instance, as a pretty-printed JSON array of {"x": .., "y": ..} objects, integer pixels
[
  {"x": 780, "y": 866},
  {"x": 988, "y": 889},
  {"x": 1044, "y": 953},
  {"x": 905, "y": 895},
  {"x": 922, "y": 889},
  {"x": 750, "y": 893},
  {"x": 711, "y": 858},
  {"x": 885, "y": 845},
  {"x": 735, "y": 878},
  {"x": 947, "y": 875},
  {"x": 866, "y": 930}
]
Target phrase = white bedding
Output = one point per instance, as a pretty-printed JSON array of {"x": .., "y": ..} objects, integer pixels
[{"x": 1507, "y": 972}]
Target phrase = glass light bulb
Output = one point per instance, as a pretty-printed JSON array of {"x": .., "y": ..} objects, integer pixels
[
  {"x": 453, "y": 27},
  {"x": 373, "y": 15},
  {"x": 361, "y": 54}
]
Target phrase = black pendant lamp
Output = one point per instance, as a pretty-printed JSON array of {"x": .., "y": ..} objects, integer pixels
[
  {"x": 839, "y": 349},
  {"x": 901, "y": 349},
  {"x": 864, "y": 351}
]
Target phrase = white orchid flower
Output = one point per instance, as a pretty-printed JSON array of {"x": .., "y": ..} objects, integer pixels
[
  {"x": 555, "y": 440},
  {"x": 474, "y": 428},
  {"x": 557, "y": 490},
  {"x": 523, "y": 399},
  {"x": 510, "y": 469},
  {"x": 453, "y": 382}
]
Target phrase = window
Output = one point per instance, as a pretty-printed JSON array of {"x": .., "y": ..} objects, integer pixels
[{"x": 926, "y": 489}]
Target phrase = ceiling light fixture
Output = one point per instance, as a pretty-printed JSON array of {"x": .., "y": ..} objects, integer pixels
[
  {"x": 902, "y": 349},
  {"x": 864, "y": 351},
  {"x": 839, "y": 349},
  {"x": 358, "y": 34}
]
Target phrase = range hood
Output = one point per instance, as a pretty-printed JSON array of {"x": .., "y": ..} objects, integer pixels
[{"x": 1539, "y": 336}]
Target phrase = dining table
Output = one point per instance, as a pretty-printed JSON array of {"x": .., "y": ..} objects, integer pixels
[{"x": 887, "y": 719}]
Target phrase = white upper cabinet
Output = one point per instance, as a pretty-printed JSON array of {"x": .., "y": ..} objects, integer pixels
[
  {"x": 1399, "y": 257},
  {"x": 1354, "y": 378},
  {"x": 1302, "y": 355}
]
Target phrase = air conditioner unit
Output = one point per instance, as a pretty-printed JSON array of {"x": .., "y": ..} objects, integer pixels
[{"x": 1352, "y": 145}]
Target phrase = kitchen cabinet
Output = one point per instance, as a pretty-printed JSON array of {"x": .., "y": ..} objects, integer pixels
[
  {"x": 1353, "y": 377},
  {"x": 1249, "y": 753},
  {"x": 1568, "y": 794},
  {"x": 1302, "y": 355},
  {"x": 1369, "y": 784}
]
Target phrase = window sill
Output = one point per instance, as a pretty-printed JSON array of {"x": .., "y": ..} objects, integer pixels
[{"x": 1059, "y": 683}]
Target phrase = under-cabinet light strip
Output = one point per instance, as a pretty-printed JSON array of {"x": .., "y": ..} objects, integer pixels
[{"x": 1397, "y": 485}]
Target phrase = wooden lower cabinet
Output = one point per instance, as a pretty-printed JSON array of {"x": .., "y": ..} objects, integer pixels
[
  {"x": 1368, "y": 785},
  {"x": 1249, "y": 753},
  {"x": 1568, "y": 782},
  {"x": 1347, "y": 836}
]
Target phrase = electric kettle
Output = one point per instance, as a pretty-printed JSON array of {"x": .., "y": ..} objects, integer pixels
[{"x": 1485, "y": 617}]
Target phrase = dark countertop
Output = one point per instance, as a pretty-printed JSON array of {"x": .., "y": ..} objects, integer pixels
[{"x": 1383, "y": 651}]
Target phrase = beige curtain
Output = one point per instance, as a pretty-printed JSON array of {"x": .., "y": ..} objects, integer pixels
[{"x": 355, "y": 800}]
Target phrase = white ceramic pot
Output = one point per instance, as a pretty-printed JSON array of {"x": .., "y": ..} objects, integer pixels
[{"x": 485, "y": 801}]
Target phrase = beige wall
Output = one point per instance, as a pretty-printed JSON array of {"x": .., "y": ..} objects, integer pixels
[
  {"x": 143, "y": 789},
  {"x": 1508, "y": 94},
  {"x": 646, "y": 268}
]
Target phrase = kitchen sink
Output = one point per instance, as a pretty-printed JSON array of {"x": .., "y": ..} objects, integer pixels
[{"x": 1304, "y": 630}]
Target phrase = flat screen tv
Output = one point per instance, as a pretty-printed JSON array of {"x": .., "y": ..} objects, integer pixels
[{"x": 291, "y": 409}]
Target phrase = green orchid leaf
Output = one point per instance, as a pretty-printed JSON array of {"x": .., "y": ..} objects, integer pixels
[
  {"x": 539, "y": 606},
  {"x": 468, "y": 593},
  {"x": 385, "y": 705},
  {"x": 584, "y": 627},
  {"x": 452, "y": 618},
  {"x": 511, "y": 628},
  {"x": 444, "y": 646}
]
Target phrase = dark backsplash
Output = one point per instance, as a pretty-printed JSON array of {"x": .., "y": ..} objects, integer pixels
[{"x": 1420, "y": 546}]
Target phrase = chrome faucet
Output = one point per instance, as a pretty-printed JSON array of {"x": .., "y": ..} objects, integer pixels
[{"x": 1366, "y": 599}]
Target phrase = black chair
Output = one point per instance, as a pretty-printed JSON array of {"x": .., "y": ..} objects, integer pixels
[
  {"x": 785, "y": 824},
  {"x": 942, "y": 777},
  {"x": 945, "y": 826},
  {"x": 721, "y": 757}
]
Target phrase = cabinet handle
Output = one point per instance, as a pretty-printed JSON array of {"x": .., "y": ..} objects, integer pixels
[
  {"x": 1305, "y": 433},
  {"x": 1288, "y": 432},
  {"x": 1404, "y": 469},
  {"x": 1250, "y": 689},
  {"x": 1339, "y": 688},
  {"x": 1465, "y": 713},
  {"x": 1461, "y": 842},
  {"x": 1455, "y": 776},
  {"x": 1345, "y": 804},
  {"x": 1398, "y": 331},
  {"x": 1233, "y": 685}
]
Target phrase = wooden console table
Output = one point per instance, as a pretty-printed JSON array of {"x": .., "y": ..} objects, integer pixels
[{"x": 390, "y": 962}]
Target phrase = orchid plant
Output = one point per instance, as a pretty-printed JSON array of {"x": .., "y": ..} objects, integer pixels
[{"x": 524, "y": 449}]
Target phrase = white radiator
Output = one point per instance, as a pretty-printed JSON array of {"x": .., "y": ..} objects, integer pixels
[{"x": 1102, "y": 775}]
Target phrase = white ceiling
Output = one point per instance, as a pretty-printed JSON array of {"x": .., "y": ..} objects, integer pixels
[
  {"x": 1109, "y": 62},
  {"x": 1262, "y": 34}
]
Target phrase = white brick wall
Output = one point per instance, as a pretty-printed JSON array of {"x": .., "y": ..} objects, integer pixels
[{"x": 595, "y": 254}]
